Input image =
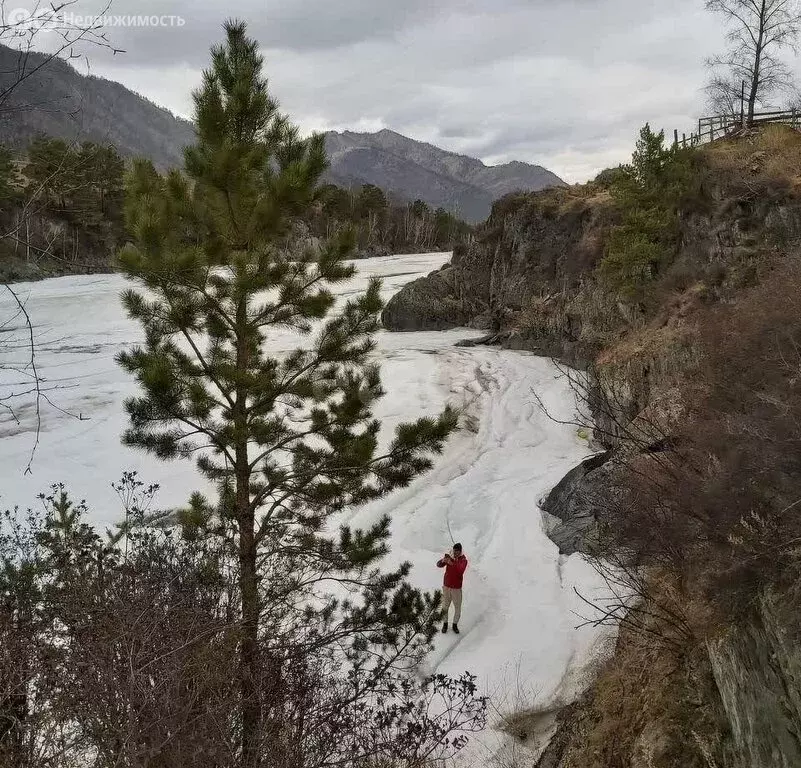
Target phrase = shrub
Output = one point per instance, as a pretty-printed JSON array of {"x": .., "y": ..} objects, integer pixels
[{"x": 610, "y": 177}]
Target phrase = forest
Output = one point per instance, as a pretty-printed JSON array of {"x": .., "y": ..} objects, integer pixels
[{"x": 61, "y": 206}]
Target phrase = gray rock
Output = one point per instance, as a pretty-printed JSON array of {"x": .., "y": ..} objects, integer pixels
[
  {"x": 575, "y": 501},
  {"x": 522, "y": 255},
  {"x": 568, "y": 727},
  {"x": 488, "y": 340},
  {"x": 757, "y": 668},
  {"x": 427, "y": 304},
  {"x": 372, "y": 252}
]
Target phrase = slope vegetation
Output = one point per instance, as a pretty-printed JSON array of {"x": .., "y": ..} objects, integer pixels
[{"x": 56, "y": 100}]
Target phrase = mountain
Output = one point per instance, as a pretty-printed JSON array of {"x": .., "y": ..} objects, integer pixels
[
  {"x": 58, "y": 100},
  {"x": 414, "y": 169},
  {"x": 54, "y": 98}
]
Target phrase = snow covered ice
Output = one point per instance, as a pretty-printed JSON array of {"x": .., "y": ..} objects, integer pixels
[{"x": 520, "y": 611}]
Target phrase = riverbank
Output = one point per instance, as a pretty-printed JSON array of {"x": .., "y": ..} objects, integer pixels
[{"x": 675, "y": 292}]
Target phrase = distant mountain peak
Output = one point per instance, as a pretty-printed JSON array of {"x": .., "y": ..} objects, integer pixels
[{"x": 416, "y": 169}]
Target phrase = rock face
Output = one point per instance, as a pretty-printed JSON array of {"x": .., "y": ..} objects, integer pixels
[
  {"x": 575, "y": 501},
  {"x": 372, "y": 252},
  {"x": 530, "y": 273},
  {"x": 427, "y": 304},
  {"x": 757, "y": 669},
  {"x": 526, "y": 259}
]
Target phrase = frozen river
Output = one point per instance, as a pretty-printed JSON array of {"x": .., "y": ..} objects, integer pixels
[{"x": 520, "y": 611}]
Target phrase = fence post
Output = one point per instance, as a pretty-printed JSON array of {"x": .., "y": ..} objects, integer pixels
[
  {"x": 684, "y": 140},
  {"x": 676, "y": 137}
]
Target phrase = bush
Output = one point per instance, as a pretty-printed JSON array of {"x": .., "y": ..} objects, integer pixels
[
  {"x": 118, "y": 650},
  {"x": 610, "y": 177}
]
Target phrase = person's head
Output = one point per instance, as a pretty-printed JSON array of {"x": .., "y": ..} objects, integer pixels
[{"x": 457, "y": 550}]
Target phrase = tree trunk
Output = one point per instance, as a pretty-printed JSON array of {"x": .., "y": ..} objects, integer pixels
[
  {"x": 753, "y": 95},
  {"x": 249, "y": 643},
  {"x": 758, "y": 51},
  {"x": 248, "y": 577}
]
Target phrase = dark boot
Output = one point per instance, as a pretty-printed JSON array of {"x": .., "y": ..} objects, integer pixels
[
  {"x": 455, "y": 628},
  {"x": 444, "y": 627}
]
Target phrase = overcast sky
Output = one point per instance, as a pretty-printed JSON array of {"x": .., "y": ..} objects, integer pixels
[{"x": 562, "y": 83}]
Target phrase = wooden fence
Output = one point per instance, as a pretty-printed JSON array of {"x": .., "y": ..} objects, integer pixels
[{"x": 719, "y": 126}]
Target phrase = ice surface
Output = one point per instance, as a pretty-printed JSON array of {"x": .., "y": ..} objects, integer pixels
[
  {"x": 520, "y": 609},
  {"x": 79, "y": 327}
]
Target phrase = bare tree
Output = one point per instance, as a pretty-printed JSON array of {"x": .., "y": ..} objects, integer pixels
[{"x": 758, "y": 31}]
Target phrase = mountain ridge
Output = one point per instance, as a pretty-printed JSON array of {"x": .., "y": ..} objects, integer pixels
[
  {"x": 467, "y": 185},
  {"x": 60, "y": 101}
]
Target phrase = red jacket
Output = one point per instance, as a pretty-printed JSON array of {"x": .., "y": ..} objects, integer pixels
[{"x": 454, "y": 571}]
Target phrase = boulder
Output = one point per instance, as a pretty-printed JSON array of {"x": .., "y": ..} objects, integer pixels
[
  {"x": 427, "y": 304},
  {"x": 575, "y": 502}
]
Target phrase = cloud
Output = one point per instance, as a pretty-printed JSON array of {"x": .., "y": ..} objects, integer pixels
[{"x": 565, "y": 84}]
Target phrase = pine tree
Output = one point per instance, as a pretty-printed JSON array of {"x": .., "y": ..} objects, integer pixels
[
  {"x": 647, "y": 193},
  {"x": 8, "y": 176},
  {"x": 290, "y": 441},
  {"x": 100, "y": 171},
  {"x": 51, "y": 172}
]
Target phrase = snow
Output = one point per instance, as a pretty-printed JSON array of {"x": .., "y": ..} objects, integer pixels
[
  {"x": 79, "y": 327},
  {"x": 520, "y": 609},
  {"x": 520, "y": 613}
]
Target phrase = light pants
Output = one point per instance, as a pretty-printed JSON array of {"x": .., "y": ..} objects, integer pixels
[{"x": 452, "y": 596}]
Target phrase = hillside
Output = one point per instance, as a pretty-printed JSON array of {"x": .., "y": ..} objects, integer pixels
[
  {"x": 676, "y": 292},
  {"x": 414, "y": 169},
  {"x": 61, "y": 102}
]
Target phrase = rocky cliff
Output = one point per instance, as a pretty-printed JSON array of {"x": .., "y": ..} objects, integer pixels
[
  {"x": 757, "y": 669},
  {"x": 530, "y": 275},
  {"x": 533, "y": 278}
]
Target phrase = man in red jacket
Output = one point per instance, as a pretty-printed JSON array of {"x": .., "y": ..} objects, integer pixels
[{"x": 455, "y": 564}]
